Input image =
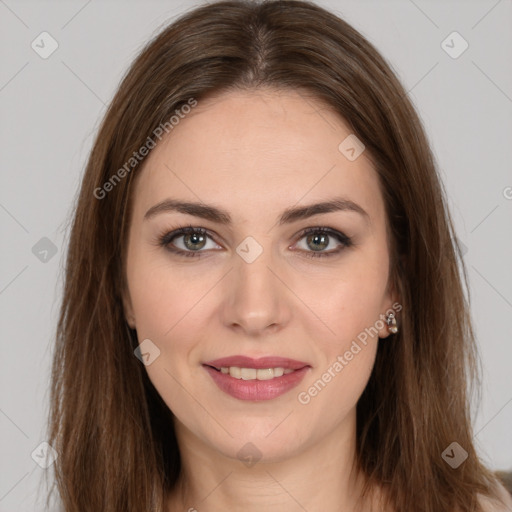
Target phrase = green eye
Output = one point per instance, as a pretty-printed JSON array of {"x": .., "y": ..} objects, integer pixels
[
  {"x": 195, "y": 239},
  {"x": 320, "y": 238}
]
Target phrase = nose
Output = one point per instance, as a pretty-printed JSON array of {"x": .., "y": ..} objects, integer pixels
[{"x": 256, "y": 300}]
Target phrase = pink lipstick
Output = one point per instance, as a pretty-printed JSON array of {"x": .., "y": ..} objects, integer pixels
[{"x": 265, "y": 378}]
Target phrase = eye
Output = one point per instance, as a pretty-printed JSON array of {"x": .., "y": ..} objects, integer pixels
[
  {"x": 190, "y": 241},
  {"x": 320, "y": 238}
]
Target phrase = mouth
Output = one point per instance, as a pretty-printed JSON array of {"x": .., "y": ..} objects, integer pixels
[{"x": 266, "y": 378}]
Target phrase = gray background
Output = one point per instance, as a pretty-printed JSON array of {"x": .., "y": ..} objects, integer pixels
[{"x": 51, "y": 109}]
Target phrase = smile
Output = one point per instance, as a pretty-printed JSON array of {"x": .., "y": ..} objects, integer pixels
[{"x": 266, "y": 378}]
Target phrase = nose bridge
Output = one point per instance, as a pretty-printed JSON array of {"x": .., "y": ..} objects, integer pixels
[
  {"x": 256, "y": 298},
  {"x": 253, "y": 277},
  {"x": 252, "y": 274}
]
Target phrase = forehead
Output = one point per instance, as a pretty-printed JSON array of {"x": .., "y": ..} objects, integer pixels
[{"x": 258, "y": 151}]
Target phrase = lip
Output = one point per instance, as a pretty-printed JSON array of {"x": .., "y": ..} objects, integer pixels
[
  {"x": 260, "y": 363},
  {"x": 256, "y": 390}
]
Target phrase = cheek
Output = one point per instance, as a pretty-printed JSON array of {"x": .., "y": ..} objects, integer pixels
[
  {"x": 163, "y": 297},
  {"x": 174, "y": 309},
  {"x": 348, "y": 301},
  {"x": 167, "y": 307},
  {"x": 350, "y": 306},
  {"x": 330, "y": 397},
  {"x": 345, "y": 359}
]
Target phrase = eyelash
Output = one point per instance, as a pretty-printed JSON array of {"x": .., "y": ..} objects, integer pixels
[{"x": 167, "y": 237}]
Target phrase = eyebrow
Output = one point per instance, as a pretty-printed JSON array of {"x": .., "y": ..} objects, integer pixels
[{"x": 221, "y": 216}]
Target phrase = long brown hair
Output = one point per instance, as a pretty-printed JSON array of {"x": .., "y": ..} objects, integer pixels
[{"x": 112, "y": 431}]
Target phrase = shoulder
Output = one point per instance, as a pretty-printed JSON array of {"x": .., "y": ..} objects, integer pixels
[{"x": 493, "y": 505}]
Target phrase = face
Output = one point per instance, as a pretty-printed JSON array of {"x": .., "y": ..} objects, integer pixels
[{"x": 259, "y": 275}]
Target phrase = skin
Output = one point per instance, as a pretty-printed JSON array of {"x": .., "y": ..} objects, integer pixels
[{"x": 255, "y": 154}]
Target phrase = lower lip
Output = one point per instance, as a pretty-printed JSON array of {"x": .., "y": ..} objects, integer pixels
[{"x": 256, "y": 390}]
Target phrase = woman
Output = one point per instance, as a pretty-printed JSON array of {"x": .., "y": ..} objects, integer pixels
[{"x": 263, "y": 307}]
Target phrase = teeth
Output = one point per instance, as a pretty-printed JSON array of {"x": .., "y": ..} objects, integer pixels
[
  {"x": 255, "y": 374},
  {"x": 235, "y": 372},
  {"x": 246, "y": 373}
]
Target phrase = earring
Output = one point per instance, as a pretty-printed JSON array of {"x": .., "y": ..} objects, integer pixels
[{"x": 391, "y": 321}]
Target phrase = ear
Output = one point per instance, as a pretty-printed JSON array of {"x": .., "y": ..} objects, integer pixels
[
  {"x": 392, "y": 304},
  {"x": 127, "y": 307}
]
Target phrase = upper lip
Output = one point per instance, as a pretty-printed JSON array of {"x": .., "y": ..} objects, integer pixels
[{"x": 260, "y": 363}]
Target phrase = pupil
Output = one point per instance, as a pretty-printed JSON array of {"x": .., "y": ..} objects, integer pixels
[
  {"x": 319, "y": 240},
  {"x": 196, "y": 239}
]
